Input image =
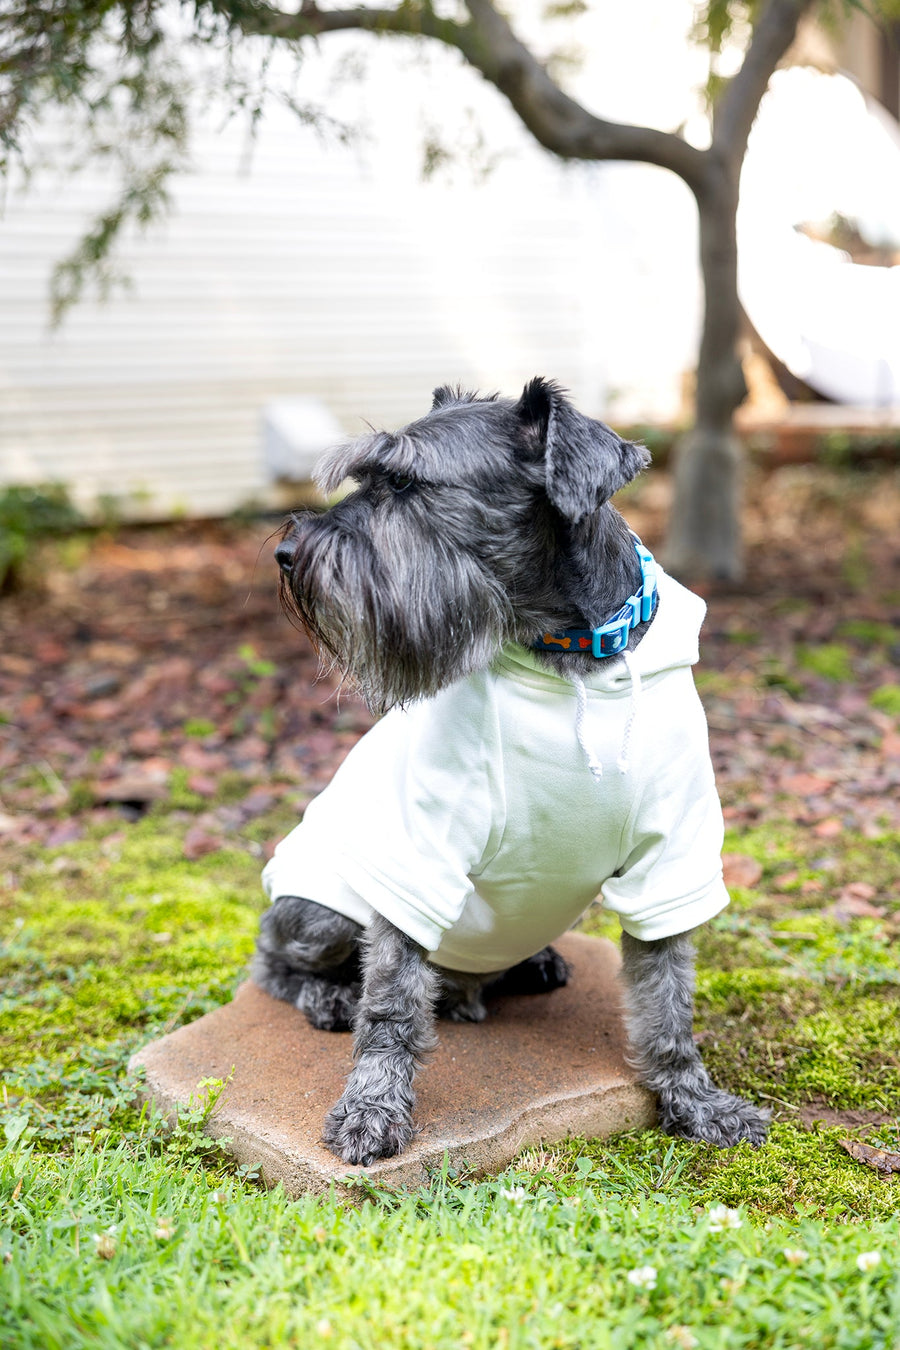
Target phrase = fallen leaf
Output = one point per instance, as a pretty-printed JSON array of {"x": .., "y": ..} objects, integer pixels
[
  {"x": 66, "y": 832},
  {"x": 878, "y": 1158},
  {"x": 199, "y": 841},
  {"x": 890, "y": 745},
  {"x": 854, "y": 902},
  {"x": 739, "y": 870},
  {"x": 829, "y": 828},
  {"x": 145, "y": 740},
  {"x": 806, "y": 784},
  {"x": 149, "y": 787},
  {"x": 858, "y": 890}
]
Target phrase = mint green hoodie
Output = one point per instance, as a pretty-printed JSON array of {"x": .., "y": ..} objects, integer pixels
[{"x": 482, "y": 822}]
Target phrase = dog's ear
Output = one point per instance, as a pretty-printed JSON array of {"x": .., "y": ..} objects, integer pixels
[{"x": 585, "y": 461}]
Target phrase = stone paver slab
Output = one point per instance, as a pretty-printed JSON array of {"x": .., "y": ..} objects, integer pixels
[{"x": 540, "y": 1068}]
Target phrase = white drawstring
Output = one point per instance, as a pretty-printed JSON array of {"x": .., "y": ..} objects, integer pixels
[
  {"x": 593, "y": 764},
  {"x": 635, "y": 676},
  {"x": 622, "y": 763}
]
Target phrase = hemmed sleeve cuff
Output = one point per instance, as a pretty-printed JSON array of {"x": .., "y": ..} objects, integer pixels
[
  {"x": 414, "y": 917},
  {"x": 322, "y": 885},
  {"x": 344, "y": 884},
  {"x": 677, "y": 916}
]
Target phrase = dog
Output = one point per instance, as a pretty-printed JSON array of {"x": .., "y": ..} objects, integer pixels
[{"x": 542, "y": 742}]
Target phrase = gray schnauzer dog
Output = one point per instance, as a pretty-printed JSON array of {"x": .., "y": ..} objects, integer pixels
[{"x": 466, "y": 588}]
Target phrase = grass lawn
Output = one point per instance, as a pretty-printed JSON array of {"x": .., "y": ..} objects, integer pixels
[{"x": 117, "y": 1232}]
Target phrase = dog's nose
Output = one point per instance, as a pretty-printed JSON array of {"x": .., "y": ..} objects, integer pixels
[{"x": 284, "y": 556}]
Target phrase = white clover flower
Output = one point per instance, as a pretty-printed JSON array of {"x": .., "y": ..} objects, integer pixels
[
  {"x": 795, "y": 1256},
  {"x": 868, "y": 1261},
  {"x": 683, "y": 1337},
  {"x": 514, "y": 1194},
  {"x": 721, "y": 1217},
  {"x": 642, "y": 1278},
  {"x": 105, "y": 1244},
  {"x": 324, "y": 1329},
  {"x": 165, "y": 1228}
]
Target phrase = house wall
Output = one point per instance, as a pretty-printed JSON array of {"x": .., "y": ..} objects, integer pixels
[{"x": 307, "y": 269}]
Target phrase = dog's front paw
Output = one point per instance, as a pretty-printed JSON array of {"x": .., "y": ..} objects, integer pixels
[
  {"x": 713, "y": 1116},
  {"x": 361, "y": 1132}
]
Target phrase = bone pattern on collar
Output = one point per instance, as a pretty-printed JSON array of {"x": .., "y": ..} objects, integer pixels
[{"x": 610, "y": 638}]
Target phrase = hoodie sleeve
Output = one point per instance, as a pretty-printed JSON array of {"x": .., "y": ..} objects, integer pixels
[
  {"x": 670, "y": 878},
  {"x": 404, "y": 821}
]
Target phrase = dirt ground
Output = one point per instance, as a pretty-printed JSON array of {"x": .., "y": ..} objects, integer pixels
[{"x": 156, "y": 660}]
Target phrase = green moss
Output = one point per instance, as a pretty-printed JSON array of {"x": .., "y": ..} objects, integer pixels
[
  {"x": 852, "y": 1054},
  {"x": 773, "y": 674},
  {"x": 181, "y": 797},
  {"x": 122, "y": 938},
  {"x": 600, "y": 923},
  {"x": 778, "y": 845},
  {"x": 795, "y": 1041},
  {"x": 714, "y": 683},
  {"x": 874, "y": 861},
  {"x": 869, "y": 631},
  {"x": 887, "y": 699},
  {"x": 733, "y": 942},
  {"x": 832, "y": 661},
  {"x": 743, "y": 637},
  {"x": 198, "y": 727}
]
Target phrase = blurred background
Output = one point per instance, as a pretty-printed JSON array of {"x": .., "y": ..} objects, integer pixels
[{"x": 310, "y": 273}]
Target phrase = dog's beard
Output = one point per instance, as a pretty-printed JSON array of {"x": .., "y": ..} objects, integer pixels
[{"x": 402, "y": 624}]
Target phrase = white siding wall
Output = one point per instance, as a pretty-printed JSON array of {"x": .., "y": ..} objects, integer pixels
[{"x": 335, "y": 273}]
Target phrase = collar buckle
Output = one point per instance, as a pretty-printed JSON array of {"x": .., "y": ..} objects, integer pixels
[{"x": 612, "y": 637}]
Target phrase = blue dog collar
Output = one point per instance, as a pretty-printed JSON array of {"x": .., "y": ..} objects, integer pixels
[{"x": 611, "y": 637}]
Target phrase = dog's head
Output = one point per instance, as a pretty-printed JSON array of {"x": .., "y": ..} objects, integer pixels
[{"x": 454, "y": 541}]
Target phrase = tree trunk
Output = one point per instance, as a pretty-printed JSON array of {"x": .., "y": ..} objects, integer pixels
[{"x": 704, "y": 539}]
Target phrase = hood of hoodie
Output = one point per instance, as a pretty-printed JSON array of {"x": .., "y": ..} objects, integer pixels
[{"x": 672, "y": 640}]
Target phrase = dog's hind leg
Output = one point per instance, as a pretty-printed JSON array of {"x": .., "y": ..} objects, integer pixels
[
  {"x": 659, "y": 1000},
  {"x": 394, "y": 1030},
  {"x": 539, "y": 974},
  {"x": 462, "y": 995},
  {"x": 309, "y": 956},
  {"x": 460, "y": 998}
]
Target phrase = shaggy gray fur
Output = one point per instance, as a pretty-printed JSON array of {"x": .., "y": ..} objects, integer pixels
[
  {"x": 484, "y": 522},
  {"x": 659, "y": 1001}
]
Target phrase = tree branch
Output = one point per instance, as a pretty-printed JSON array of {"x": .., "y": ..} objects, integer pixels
[
  {"x": 739, "y": 104},
  {"x": 556, "y": 120},
  {"x": 259, "y": 19},
  {"x": 489, "y": 44}
]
